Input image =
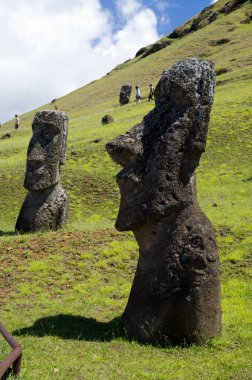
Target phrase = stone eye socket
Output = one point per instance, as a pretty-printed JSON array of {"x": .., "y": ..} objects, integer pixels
[
  {"x": 44, "y": 136},
  {"x": 46, "y": 128},
  {"x": 196, "y": 242}
]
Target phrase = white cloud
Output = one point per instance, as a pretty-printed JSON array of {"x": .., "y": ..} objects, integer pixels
[
  {"x": 163, "y": 5},
  {"x": 213, "y": 1},
  {"x": 51, "y": 47},
  {"x": 127, "y": 39},
  {"x": 164, "y": 20},
  {"x": 128, "y": 7}
]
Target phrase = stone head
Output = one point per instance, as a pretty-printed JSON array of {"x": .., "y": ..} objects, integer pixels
[
  {"x": 47, "y": 150},
  {"x": 159, "y": 156}
]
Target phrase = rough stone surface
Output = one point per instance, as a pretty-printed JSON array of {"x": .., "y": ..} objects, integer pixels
[
  {"x": 175, "y": 296},
  {"x": 141, "y": 51},
  {"x": 156, "y": 47},
  {"x": 144, "y": 52},
  {"x": 221, "y": 41},
  {"x": 45, "y": 206},
  {"x": 6, "y": 136},
  {"x": 107, "y": 119},
  {"x": 232, "y": 5},
  {"x": 125, "y": 93}
]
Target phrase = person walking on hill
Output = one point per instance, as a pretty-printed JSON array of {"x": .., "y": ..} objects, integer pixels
[
  {"x": 138, "y": 95},
  {"x": 151, "y": 94},
  {"x": 17, "y": 122}
]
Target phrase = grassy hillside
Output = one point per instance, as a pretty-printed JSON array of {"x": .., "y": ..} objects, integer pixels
[{"x": 62, "y": 293}]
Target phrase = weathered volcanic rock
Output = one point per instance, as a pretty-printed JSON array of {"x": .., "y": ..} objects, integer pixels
[
  {"x": 175, "y": 296},
  {"x": 45, "y": 206},
  {"x": 107, "y": 119},
  {"x": 125, "y": 93},
  {"x": 232, "y": 5},
  {"x": 6, "y": 136},
  {"x": 144, "y": 52},
  {"x": 221, "y": 41},
  {"x": 141, "y": 51}
]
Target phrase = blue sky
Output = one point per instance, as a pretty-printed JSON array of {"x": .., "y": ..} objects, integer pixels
[
  {"x": 170, "y": 13},
  {"x": 52, "y": 47}
]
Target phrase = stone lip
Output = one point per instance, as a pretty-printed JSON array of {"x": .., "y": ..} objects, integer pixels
[{"x": 175, "y": 296}]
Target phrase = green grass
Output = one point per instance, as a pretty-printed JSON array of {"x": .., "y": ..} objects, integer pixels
[
  {"x": 69, "y": 302},
  {"x": 62, "y": 293}
]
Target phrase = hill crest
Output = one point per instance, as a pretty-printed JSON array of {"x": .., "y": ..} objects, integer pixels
[{"x": 201, "y": 20}]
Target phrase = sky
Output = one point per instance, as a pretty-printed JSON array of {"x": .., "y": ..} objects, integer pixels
[{"x": 49, "y": 48}]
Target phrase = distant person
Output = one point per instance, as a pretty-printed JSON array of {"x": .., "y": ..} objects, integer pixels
[
  {"x": 56, "y": 108},
  {"x": 151, "y": 94},
  {"x": 17, "y": 122},
  {"x": 138, "y": 95}
]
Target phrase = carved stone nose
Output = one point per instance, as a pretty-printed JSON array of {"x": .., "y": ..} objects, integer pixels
[
  {"x": 128, "y": 148},
  {"x": 35, "y": 153}
]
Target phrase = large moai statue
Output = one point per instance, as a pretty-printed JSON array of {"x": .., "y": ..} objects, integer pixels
[
  {"x": 45, "y": 206},
  {"x": 175, "y": 296},
  {"x": 125, "y": 93}
]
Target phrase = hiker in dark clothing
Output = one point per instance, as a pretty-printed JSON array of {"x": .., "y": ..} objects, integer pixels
[{"x": 151, "y": 94}]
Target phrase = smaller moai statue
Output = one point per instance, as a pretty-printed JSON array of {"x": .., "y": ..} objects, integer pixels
[
  {"x": 125, "y": 93},
  {"x": 45, "y": 206}
]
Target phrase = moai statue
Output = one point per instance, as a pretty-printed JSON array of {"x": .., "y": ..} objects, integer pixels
[
  {"x": 45, "y": 206},
  {"x": 125, "y": 93},
  {"x": 175, "y": 296}
]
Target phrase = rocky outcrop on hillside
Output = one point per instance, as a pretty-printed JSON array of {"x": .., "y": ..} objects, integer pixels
[
  {"x": 6, "y": 136},
  {"x": 175, "y": 296},
  {"x": 107, "y": 119},
  {"x": 206, "y": 17},
  {"x": 145, "y": 51}
]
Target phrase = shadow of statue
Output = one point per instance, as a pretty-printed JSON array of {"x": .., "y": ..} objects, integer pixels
[
  {"x": 68, "y": 326},
  {"x": 7, "y": 233}
]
